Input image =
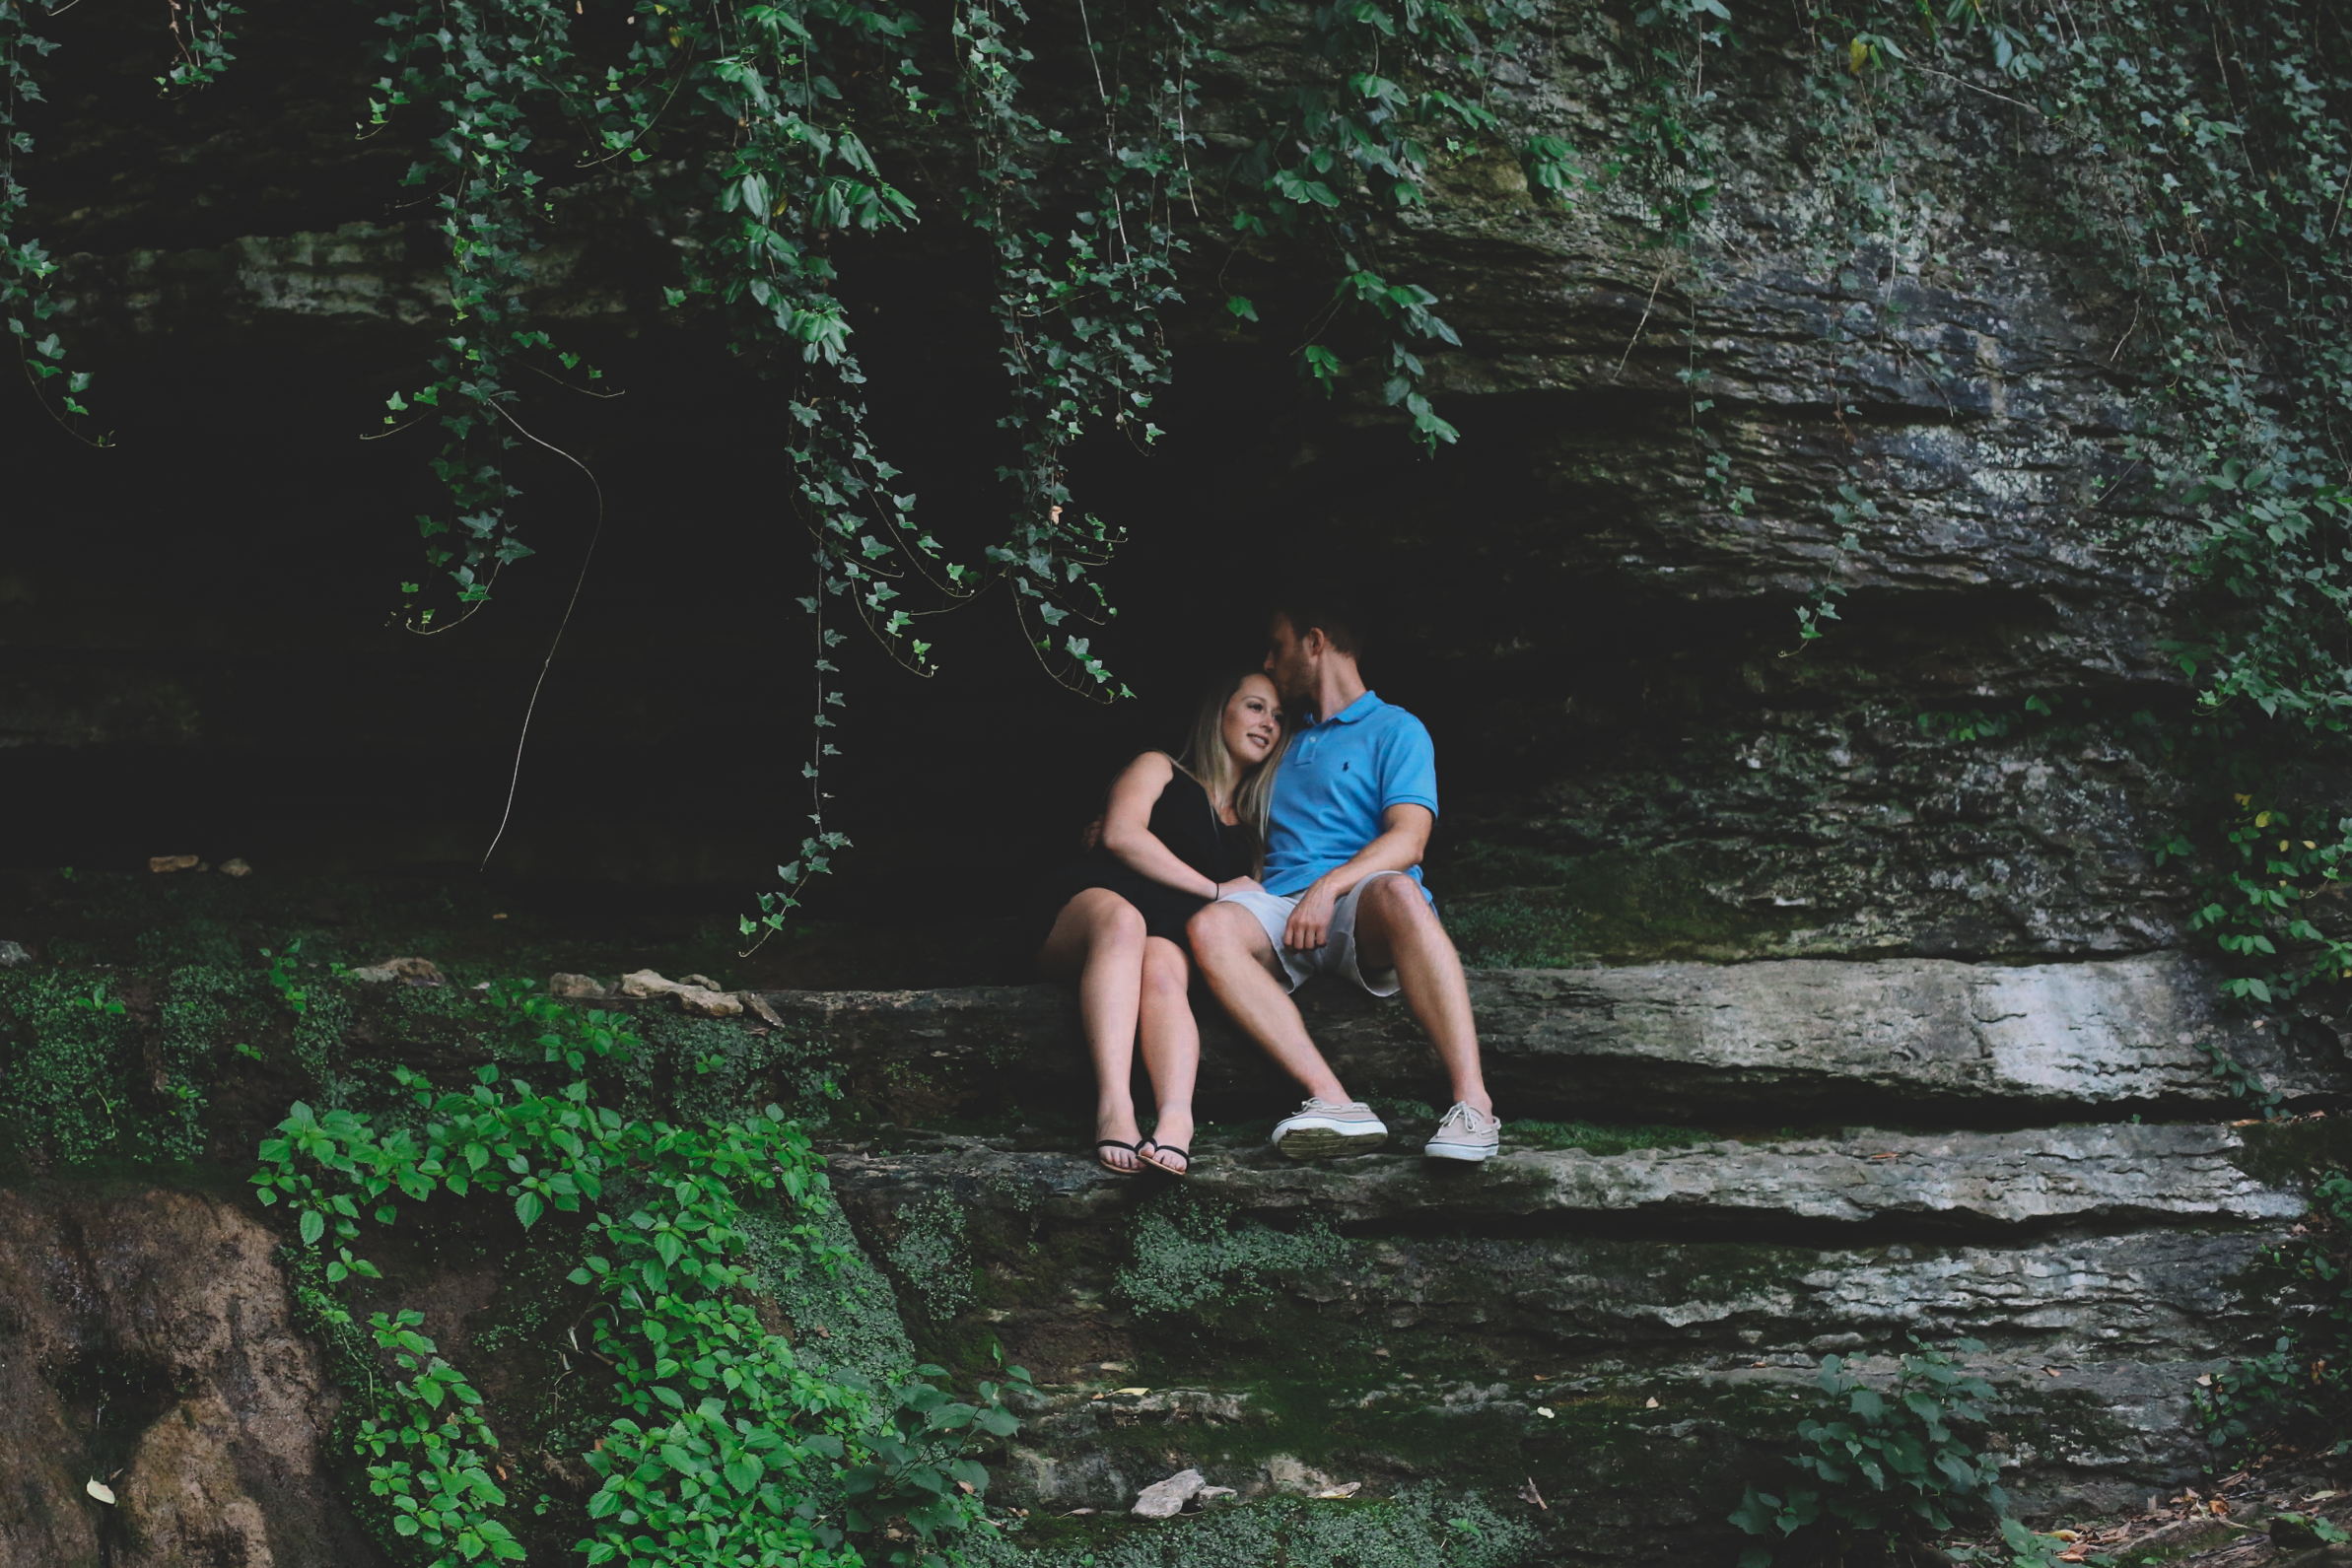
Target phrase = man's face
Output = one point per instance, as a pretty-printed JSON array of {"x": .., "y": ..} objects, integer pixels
[{"x": 1289, "y": 662}]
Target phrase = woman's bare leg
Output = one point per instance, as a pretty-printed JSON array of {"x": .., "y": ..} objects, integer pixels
[
  {"x": 1171, "y": 1043},
  {"x": 1098, "y": 940}
]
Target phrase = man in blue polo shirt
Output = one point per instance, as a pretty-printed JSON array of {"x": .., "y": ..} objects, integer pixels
[{"x": 1354, "y": 802}]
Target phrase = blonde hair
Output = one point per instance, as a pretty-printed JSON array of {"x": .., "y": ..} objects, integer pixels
[{"x": 1206, "y": 758}]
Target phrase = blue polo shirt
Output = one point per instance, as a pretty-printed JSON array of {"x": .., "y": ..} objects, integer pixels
[{"x": 1337, "y": 777}]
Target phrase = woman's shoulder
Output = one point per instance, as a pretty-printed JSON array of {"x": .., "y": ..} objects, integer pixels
[{"x": 1150, "y": 769}]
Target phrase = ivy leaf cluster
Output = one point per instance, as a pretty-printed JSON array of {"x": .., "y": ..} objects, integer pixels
[
  {"x": 25, "y": 266},
  {"x": 1882, "y": 1465},
  {"x": 722, "y": 1445}
]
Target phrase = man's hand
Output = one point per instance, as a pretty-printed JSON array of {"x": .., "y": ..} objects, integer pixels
[
  {"x": 1239, "y": 884},
  {"x": 1310, "y": 920}
]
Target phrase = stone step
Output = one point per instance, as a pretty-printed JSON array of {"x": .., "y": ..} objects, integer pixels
[
  {"x": 2069, "y": 1436},
  {"x": 2107, "y": 1177},
  {"x": 1378, "y": 1320},
  {"x": 1894, "y": 1038}
]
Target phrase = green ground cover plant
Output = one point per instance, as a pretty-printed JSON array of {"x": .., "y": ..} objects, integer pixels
[
  {"x": 2296, "y": 1395},
  {"x": 1887, "y": 1465},
  {"x": 722, "y": 1444}
]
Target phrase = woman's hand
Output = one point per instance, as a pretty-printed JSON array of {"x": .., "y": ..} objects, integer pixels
[{"x": 1239, "y": 884}]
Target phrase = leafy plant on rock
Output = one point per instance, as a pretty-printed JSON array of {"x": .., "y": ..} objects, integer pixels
[
  {"x": 2299, "y": 1390},
  {"x": 1888, "y": 1469},
  {"x": 722, "y": 1445}
]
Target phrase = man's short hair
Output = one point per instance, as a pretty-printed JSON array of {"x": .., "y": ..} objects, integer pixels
[{"x": 1320, "y": 608}]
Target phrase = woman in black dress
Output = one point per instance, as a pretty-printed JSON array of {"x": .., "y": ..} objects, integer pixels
[{"x": 1179, "y": 832}]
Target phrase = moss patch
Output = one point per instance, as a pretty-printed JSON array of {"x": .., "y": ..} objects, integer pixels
[
  {"x": 2292, "y": 1153},
  {"x": 1524, "y": 910},
  {"x": 1420, "y": 1528},
  {"x": 843, "y": 1310},
  {"x": 1186, "y": 1255}
]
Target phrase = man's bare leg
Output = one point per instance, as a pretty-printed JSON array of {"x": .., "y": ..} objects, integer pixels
[
  {"x": 1235, "y": 957},
  {"x": 1394, "y": 927}
]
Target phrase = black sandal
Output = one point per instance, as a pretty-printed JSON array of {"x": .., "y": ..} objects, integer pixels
[
  {"x": 1158, "y": 1147},
  {"x": 1135, "y": 1150}
]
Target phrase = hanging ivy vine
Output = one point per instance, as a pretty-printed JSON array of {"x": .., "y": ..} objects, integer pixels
[{"x": 748, "y": 135}]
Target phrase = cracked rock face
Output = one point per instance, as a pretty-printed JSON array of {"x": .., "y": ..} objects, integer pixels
[{"x": 146, "y": 1342}]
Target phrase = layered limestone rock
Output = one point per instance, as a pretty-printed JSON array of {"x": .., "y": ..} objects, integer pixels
[
  {"x": 1904, "y": 1036},
  {"x": 1628, "y": 1316}
]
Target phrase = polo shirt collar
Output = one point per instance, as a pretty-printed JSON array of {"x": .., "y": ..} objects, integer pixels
[{"x": 1363, "y": 708}]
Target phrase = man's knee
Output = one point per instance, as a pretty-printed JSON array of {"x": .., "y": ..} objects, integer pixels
[
  {"x": 1397, "y": 903},
  {"x": 1220, "y": 931}
]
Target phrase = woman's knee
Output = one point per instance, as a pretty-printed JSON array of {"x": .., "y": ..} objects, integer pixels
[
  {"x": 1110, "y": 918},
  {"x": 1166, "y": 970}
]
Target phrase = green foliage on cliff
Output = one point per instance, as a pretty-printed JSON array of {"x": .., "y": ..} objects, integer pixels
[
  {"x": 2299, "y": 1390},
  {"x": 752, "y": 138},
  {"x": 721, "y": 1441}
]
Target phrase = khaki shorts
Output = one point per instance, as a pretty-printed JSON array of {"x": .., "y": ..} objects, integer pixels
[{"x": 1338, "y": 954}]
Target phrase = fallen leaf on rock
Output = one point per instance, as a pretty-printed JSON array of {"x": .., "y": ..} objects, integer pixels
[
  {"x": 2321, "y": 1497},
  {"x": 1138, "y": 1391},
  {"x": 235, "y": 868},
  {"x": 2219, "y": 1506},
  {"x": 1077, "y": 1513},
  {"x": 171, "y": 862},
  {"x": 1544, "y": 1410},
  {"x": 2078, "y": 1554},
  {"x": 1207, "y": 1492},
  {"x": 759, "y": 1004},
  {"x": 1344, "y": 1489},
  {"x": 498, "y": 916},
  {"x": 100, "y": 1490},
  {"x": 1650, "y": 1404}
]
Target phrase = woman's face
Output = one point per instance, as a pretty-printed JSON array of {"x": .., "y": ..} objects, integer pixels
[{"x": 1253, "y": 721}]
